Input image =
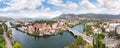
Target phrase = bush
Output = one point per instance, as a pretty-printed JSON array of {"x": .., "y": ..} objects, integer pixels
[
  {"x": 17, "y": 45},
  {"x": 2, "y": 42}
]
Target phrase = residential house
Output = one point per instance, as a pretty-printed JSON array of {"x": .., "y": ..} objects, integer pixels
[{"x": 31, "y": 29}]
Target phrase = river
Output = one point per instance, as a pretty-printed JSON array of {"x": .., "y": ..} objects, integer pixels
[{"x": 57, "y": 41}]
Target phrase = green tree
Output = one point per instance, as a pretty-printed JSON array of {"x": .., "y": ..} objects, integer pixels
[
  {"x": 98, "y": 41},
  {"x": 100, "y": 36},
  {"x": 5, "y": 27},
  {"x": 9, "y": 31},
  {"x": 17, "y": 45},
  {"x": 2, "y": 42},
  {"x": 67, "y": 46},
  {"x": 89, "y": 45},
  {"x": 61, "y": 30},
  {"x": 73, "y": 45},
  {"x": 79, "y": 40},
  {"x": 88, "y": 30},
  {"x": 1, "y": 30}
]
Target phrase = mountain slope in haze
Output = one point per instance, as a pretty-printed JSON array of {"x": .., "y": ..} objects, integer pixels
[
  {"x": 6, "y": 18},
  {"x": 101, "y": 16}
]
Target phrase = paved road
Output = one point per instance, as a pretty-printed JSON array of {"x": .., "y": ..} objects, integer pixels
[{"x": 7, "y": 40}]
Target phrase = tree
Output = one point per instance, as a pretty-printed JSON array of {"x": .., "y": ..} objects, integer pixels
[
  {"x": 73, "y": 45},
  {"x": 100, "y": 36},
  {"x": 88, "y": 29},
  {"x": 1, "y": 30},
  {"x": 79, "y": 40},
  {"x": 9, "y": 31},
  {"x": 98, "y": 41},
  {"x": 17, "y": 45},
  {"x": 67, "y": 46},
  {"x": 5, "y": 27}
]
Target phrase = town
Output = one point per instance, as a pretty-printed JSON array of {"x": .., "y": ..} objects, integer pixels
[
  {"x": 40, "y": 29},
  {"x": 96, "y": 32}
]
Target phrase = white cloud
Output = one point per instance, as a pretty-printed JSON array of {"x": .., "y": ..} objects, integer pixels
[
  {"x": 43, "y": 13},
  {"x": 83, "y": 7},
  {"x": 17, "y": 5},
  {"x": 21, "y": 4},
  {"x": 55, "y": 2},
  {"x": 85, "y": 4}
]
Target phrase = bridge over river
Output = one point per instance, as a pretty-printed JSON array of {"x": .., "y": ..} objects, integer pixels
[{"x": 76, "y": 33}]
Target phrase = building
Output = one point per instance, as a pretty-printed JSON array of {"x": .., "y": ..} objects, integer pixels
[
  {"x": 97, "y": 30},
  {"x": 111, "y": 43},
  {"x": 31, "y": 29},
  {"x": 117, "y": 29},
  {"x": 111, "y": 27}
]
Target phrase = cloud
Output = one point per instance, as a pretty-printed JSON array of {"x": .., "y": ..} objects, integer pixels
[
  {"x": 100, "y": 7},
  {"x": 21, "y": 4},
  {"x": 15, "y": 8},
  {"x": 43, "y": 13}
]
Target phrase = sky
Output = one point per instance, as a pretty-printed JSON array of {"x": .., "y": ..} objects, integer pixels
[{"x": 53, "y": 8}]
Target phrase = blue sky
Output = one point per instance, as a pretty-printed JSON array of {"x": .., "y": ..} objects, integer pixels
[{"x": 53, "y": 8}]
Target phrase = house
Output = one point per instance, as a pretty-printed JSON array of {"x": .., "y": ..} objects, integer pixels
[
  {"x": 97, "y": 30},
  {"x": 31, "y": 29},
  {"x": 52, "y": 30},
  {"x": 54, "y": 25}
]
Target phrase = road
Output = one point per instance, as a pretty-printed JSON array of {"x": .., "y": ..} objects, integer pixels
[{"x": 7, "y": 40}]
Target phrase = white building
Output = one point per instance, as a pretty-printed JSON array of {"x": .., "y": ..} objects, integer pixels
[
  {"x": 111, "y": 27},
  {"x": 117, "y": 29},
  {"x": 97, "y": 30},
  {"x": 54, "y": 25}
]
